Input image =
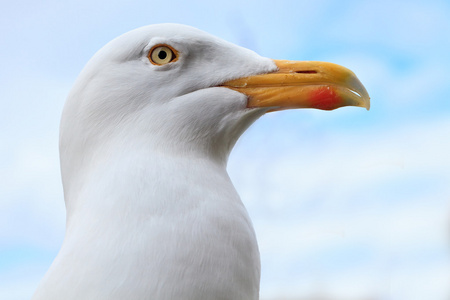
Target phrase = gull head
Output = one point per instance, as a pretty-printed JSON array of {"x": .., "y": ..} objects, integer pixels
[{"x": 176, "y": 89}]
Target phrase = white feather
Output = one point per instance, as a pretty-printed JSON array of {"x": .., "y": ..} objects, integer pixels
[{"x": 151, "y": 211}]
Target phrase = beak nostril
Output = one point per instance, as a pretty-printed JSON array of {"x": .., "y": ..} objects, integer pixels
[{"x": 306, "y": 72}]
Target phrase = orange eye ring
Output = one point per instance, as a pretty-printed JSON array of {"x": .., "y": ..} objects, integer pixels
[{"x": 162, "y": 54}]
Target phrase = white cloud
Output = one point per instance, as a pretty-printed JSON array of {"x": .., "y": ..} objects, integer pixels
[{"x": 353, "y": 196}]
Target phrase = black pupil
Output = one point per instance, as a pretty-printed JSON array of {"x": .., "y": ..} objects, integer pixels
[{"x": 162, "y": 54}]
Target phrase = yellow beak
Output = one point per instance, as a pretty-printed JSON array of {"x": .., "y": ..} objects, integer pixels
[{"x": 299, "y": 84}]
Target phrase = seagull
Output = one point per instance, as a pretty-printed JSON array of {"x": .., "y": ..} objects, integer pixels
[{"x": 145, "y": 136}]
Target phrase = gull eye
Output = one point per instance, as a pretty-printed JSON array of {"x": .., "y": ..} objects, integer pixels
[{"x": 162, "y": 54}]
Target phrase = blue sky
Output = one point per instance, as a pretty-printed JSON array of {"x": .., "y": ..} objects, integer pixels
[{"x": 347, "y": 204}]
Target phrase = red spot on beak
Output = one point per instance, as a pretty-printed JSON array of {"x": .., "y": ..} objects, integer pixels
[{"x": 325, "y": 98}]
